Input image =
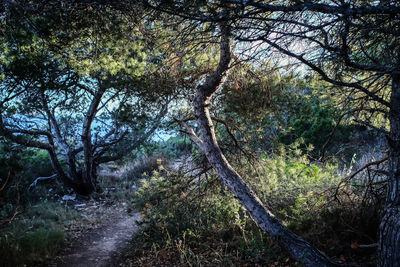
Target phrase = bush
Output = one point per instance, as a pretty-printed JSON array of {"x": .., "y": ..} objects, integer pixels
[
  {"x": 290, "y": 185},
  {"x": 304, "y": 196},
  {"x": 19, "y": 167},
  {"x": 313, "y": 122},
  {"x": 174, "y": 203},
  {"x": 143, "y": 165},
  {"x": 197, "y": 221}
]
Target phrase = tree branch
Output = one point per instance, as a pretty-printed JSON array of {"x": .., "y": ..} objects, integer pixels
[
  {"x": 344, "y": 9},
  {"x": 51, "y": 177},
  {"x": 325, "y": 76}
]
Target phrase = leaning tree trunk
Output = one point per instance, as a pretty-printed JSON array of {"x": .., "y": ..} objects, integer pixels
[
  {"x": 389, "y": 229},
  {"x": 298, "y": 248}
]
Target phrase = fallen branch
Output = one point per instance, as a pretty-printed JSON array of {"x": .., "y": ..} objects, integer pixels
[{"x": 42, "y": 179}]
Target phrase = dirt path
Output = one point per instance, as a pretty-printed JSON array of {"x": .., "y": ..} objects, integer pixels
[{"x": 99, "y": 246}]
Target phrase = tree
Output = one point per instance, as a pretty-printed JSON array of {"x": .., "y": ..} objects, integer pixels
[
  {"x": 351, "y": 44},
  {"x": 87, "y": 82},
  {"x": 75, "y": 107},
  {"x": 207, "y": 142},
  {"x": 358, "y": 49}
]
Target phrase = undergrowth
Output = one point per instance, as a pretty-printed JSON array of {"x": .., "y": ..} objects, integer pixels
[
  {"x": 196, "y": 221},
  {"x": 36, "y": 235}
]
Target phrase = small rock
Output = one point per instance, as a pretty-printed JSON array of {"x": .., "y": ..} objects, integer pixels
[{"x": 67, "y": 197}]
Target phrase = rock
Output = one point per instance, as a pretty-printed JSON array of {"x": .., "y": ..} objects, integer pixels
[{"x": 67, "y": 197}]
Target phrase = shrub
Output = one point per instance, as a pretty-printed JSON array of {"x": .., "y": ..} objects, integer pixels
[
  {"x": 174, "y": 147},
  {"x": 19, "y": 167},
  {"x": 174, "y": 203},
  {"x": 290, "y": 185},
  {"x": 197, "y": 221},
  {"x": 143, "y": 165},
  {"x": 313, "y": 122}
]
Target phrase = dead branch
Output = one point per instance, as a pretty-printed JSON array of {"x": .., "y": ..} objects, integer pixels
[
  {"x": 351, "y": 176},
  {"x": 190, "y": 132},
  {"x": 41, "y": 179}
]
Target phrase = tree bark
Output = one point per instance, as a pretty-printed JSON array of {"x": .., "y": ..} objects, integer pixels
[
  {"x": 298, "y": 248},
  {"x": 89, "y": 182},
  {"x": 389, "y": 229}
]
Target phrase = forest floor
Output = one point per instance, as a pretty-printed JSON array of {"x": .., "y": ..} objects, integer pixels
[{"x": 108, "y": 231}]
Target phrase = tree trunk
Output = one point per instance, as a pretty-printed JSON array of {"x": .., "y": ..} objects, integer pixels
[
  {"x": 89, "y": 182},
  {"x": 389, "y": 229},
  {"x": 298, "y": 248}
]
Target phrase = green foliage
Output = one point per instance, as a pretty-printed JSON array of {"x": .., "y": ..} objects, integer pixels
[
  {"x": 102, "y": 50},
  {"x": 183, "y": 215},
  {"x": 265, "y": 108},
  {"x": 18, "y": 248},
  {"x": 172, "y": 148},
  {"x": 144, "y": 165},
  {"x": 313, "y": 122},
  {"x": 178, "y": 145},
  {"x": 37, "y": 163},
  {"x": 11, "y": 159},
  {"x": 36, "y": 235},
  {"x": 251, "y": 93},
  {"x": 197, "y": 221},
  {"x": 290, "y": 184},
  {"x": 19, "y": 167},
  {"x": 173, "y": 204}
]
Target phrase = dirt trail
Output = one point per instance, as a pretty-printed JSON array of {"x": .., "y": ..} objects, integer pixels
[
  {"x": 98, "y": 246},
  {"x": 104, "y": 244}
]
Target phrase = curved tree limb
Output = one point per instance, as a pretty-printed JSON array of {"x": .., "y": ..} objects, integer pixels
[{"x": 51, "y": 177}]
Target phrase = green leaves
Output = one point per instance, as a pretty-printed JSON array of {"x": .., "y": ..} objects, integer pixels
[{"x": 104, "y": 56}]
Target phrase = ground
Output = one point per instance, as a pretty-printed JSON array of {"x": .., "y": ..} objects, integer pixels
[{"x": 100, "y": 244}]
